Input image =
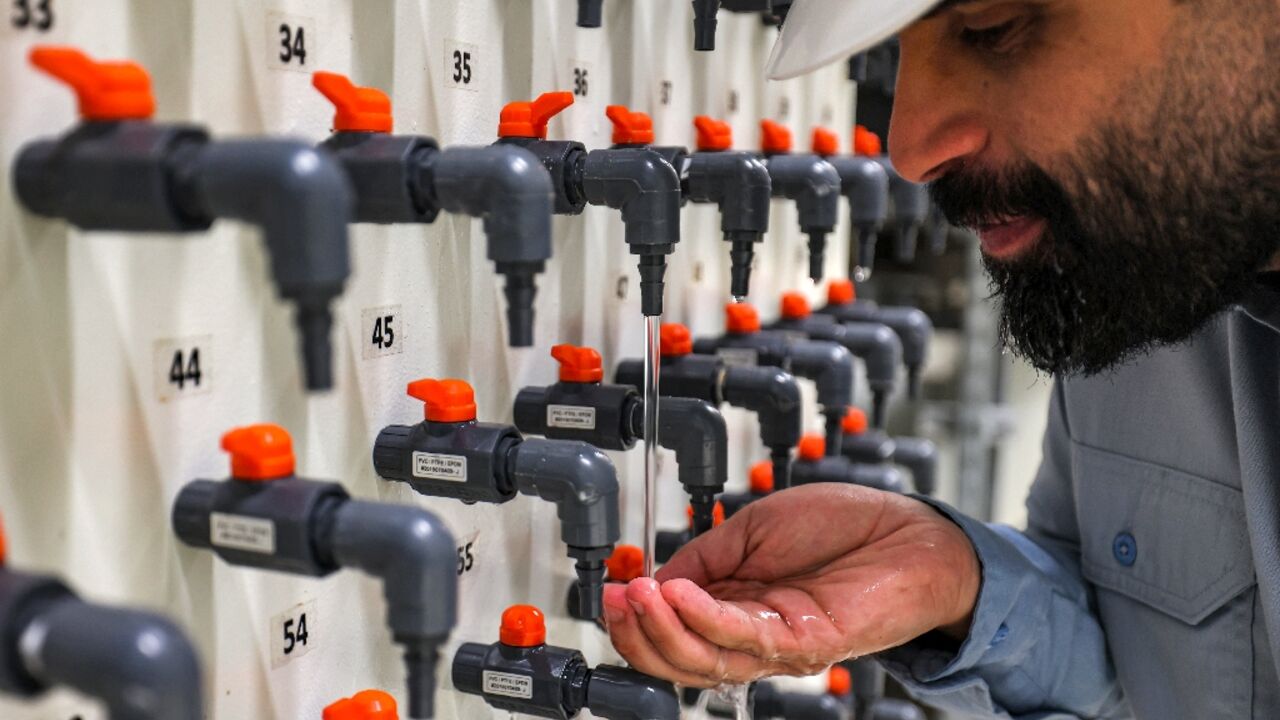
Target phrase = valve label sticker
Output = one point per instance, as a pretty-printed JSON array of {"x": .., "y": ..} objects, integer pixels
[
  {"x": 508, "y": 684},
  {"x": 738, "y": 356},
  {"x": 238, "y": 532},
  {"x": 437, "y": 466},
  {"x": 571, "y": 417}
]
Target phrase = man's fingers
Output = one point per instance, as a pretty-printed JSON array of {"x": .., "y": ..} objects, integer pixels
[
  {"x": 681, "y": 647},
  {"x": 631, "y": 642},
  {"x": 725, "y": 624}
]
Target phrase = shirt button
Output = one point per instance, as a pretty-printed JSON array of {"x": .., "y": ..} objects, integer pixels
[{"x": 1125, "y": 548}]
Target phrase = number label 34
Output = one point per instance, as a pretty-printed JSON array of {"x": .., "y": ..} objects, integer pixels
[{"x": 290, "y": 42}]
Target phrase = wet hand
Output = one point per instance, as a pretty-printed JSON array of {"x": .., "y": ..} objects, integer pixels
[{"x": 794, "y": 583}]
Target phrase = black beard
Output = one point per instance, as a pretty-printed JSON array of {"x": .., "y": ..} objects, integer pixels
[
  {"x": 1129, "y": 274},
  {"x": 1150, "y": 230}
]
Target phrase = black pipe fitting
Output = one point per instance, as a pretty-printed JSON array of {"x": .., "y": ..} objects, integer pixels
[
  {"x": 865, "y": 184},
  {"x": 611, "y": 417},
  {"x": 827, "y": 364},
  {"x": 266, "y": 517},
  {"x": 740, "y": 186},
  {"x": 737, "y": 182},
  {"x": 770, "y": 392},
  {"x": 918, "y": 455},
  {"x": 451, "y": 455},
  {"x": 589, "y": 13},
  {"x": 874, "y": 343},
  {"x": 523, "y": 674},
  {"x": 913, "y": 327},
  {"x": 704, "y": 24},
  {"x": 409, "y": 179},
  {"x": 808, "y": 180},
  {"x": 120, "y": 171},
  {"x": 635, "y": 180},
  {"x": 910, "y": 211},
  {"x": 141, "y": 665},
  {"x": 812, "y": 466}
]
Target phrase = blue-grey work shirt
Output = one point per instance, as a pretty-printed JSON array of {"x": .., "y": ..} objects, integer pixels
[{"x": 1147, "y": 583}]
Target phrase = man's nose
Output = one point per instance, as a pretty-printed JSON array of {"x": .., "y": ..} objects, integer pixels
[{"x": 937, "y": 120}]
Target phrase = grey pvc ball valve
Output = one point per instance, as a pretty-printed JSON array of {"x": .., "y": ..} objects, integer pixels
[
  {"x": 449, "y": 454},
  {"x": 808, "y": 180},
  {"x": 410, "y": 179},
  {"x": 828, "y": 364},
  {"x": 913, "y": 326},
  {"x": 865, "y": 185},
  {"x": 813, "y": 465},
  {"x": 638, "y": 182},
  {"x": 611, "y": 417},
  {"x": 264, "y": 516},
  {"x": 521, "y": 673},
  {"x": 174, "y": 178},
  {"x": 736, "y": 182},
  {"x": 874, "y": 343},
  {"x": 139, "y": 664},
  {"x": 770, "y": 392}
]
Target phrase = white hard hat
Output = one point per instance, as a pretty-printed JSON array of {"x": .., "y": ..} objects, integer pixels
[{"x": 818, "y": 32}]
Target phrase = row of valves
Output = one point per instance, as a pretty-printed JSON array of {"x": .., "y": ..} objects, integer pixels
[
  {"x": 117, "y": 170},
  {"x": 265, "y": 516},
  {"x": 158, "y": 177}
]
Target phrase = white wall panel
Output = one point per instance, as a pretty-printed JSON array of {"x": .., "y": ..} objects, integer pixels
[{"x": 91, "y": 455}]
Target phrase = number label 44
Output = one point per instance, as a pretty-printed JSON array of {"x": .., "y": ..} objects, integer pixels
[{"x": 183, "y": 367}]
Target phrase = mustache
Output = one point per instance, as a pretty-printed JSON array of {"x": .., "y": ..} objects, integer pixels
[{"x": 975, "y": 197}]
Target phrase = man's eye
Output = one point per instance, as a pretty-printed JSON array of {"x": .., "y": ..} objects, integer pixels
[
  {"x": 986, "y": 38},
  {"x": 998, "y": 38}
]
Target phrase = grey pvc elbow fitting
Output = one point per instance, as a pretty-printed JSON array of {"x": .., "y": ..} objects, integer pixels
[
  {"x": 830, "y": 366},
  {"x": 645, "y": 187},
  {"x": 589, "y": 13},
  {"x": 507, "y": 187},
  {"x": 141, "y": 665},
  {"x": 814, "y": 185},
  {"x": 910, "y": 211},
  {"x": 414, "y": 555},
  {"x": 865, "y": 184},
  {"x": 915, "y": 329},
  {"x": 704, "y": 24},
  {"x": 739, "y": 184},
  {"x": 774, "y": 395},
  {"x": 301, "y": 199},
  {"x": 619, "y": 693},
  {"x": 881, "y": 352},
  {"x": 583, "y": 484},
  {"x": 893, "y": 709},
  {"x": 920, "y": 456},
  {"x": 695, "y": 430}
]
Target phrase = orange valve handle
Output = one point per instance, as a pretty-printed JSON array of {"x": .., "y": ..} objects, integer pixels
[
  {"x": 445, "y": 400},
  {"x": 741, "y": 318},
  {"x": 841, "y": 292},
  {"x": 854, "y": 422},
  {"x": 713, "y": 134},
  {"x": 578, "y": 364},
  {"x": 523, "y": 626},
  {"x": 364, "y": 705},
  {"x": 761, "y": 479},
  {"x": 359, "y": 109},
  {"x": 675, "y": 340},
  {"x": 825, "y": 142},
  {"x": 118, "y": 90},
  {"x": 629, "y": 127},
  {"x": 866, "y": 142},
  {"x": 774, "y": 137},
  {"x": 529, "y": 118},
  {"x": 812, "y": 447},
  {"x": 795, "y": 306},
  {"x": 259, "y": 452}
]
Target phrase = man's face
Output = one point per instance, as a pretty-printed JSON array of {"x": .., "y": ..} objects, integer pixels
[{"x": 1119, "y": 159}]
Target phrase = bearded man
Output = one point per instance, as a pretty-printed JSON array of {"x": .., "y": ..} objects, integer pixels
[{"x": 1120, "y": 162}]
